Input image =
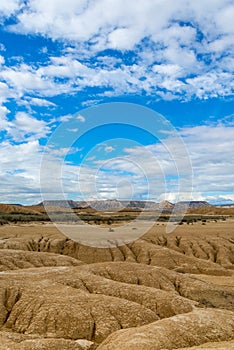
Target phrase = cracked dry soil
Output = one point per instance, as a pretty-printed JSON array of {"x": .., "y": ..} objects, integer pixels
[{"x": 164, "y": 291}]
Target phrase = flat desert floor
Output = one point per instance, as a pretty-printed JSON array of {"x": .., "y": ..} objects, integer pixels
[{"x": 162, "y": 291}]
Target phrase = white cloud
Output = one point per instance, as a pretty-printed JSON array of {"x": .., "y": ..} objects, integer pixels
[
  {"x": 210, "y": 150},
  {"x": 225, "y": 18},
  {"x": 3, "y": 112},
  {"x": 24, "y": 127},
  {"x": 122, "y": 23},
  {"x": 73, "y": 130},
  {"x": 81, "y": 118},
  {"x": 124, "y": 38},
  {"x": 141, "y": 169},
  {"x": 176, "y": 50},
  {"x": 109, "y": 149},
  {"x": 9, "y": 7},
  {"x": 125, "y": 79},
  {"x": 2, "y": 47},
  {"x": 4, "y": 92},
  {"x": 65, "y": 118},
  {"x": 2, "y": 60},
  {"x": 40, "y": 102},
  {"x": 170, "y": 66},
  {"x": 212, "y": 159},
  {"x": 19, "y": 172},
  {"x": 187, "y": 59},
  {"x": 24, "y": 78}
]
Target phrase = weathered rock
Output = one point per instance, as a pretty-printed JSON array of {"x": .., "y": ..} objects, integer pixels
[
  {"x": 187, "y": 254},
  {"x": 64, "y": 312},
  {"x": 227, "y": 345},
  {"x": 187, "y": 286},
  {"x": 195, "y": 328},
  {"x": 16, "y": 259},
  {"x": 14, "y": 341},
  {"x": 155, "y": 293}
]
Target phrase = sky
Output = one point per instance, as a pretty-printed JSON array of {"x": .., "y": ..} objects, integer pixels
[{"x": 106, "y": 99}]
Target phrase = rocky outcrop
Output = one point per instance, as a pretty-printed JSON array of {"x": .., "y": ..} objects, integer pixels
[
  {"x": 226, "y": 345},
  {"x": 15, "y": 341},
  {"x": 16, "y": 259},
  {"x": 195, "y": 328},
  {"x": 59, "y": 203},
  {"x": 173, "y": 255}
]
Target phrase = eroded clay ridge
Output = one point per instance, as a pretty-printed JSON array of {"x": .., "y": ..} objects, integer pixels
[
  {"x": 93, "y": 301},
  {"x": 195, "y": 328},
  {"x": 192, "y": 253},
  {"x": 58, "y": 294}
]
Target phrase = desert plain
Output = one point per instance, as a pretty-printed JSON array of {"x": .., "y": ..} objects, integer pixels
[{"x": 162, "y": 291}]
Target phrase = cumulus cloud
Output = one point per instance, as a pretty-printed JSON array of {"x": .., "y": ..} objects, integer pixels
[
  {"x": 177, "y": 47},
  {"x": 40, "y": 102},
  {"x": 65, "y": 118},
  {"x": 109, "y": 149},
  {"x": 152, "y": 168},
  {"x": 67, "y": 75},
  {"x": 211, "y": 156},
  {"x": 2, "y": 47},
  {"x": 9, "y": 7},
  {"x": 19, "y": 171},
  {"x": 3, "y": 112},
  {"x": 148, "y": 172},
  {"x": 5, "y": 92},
  {"x": 2, "y": 60},
  {"x": 24, "y": 127},
  {"x": 164, "y": 49},
  {"x": 109, "y": 17},
  {"x": 81, "y": 118}
]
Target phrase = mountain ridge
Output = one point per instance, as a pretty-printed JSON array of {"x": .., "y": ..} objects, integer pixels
[{"x": 124, "y": 204}]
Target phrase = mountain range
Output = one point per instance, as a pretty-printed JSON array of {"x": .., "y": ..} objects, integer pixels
[{"x": 118, "y": 205}]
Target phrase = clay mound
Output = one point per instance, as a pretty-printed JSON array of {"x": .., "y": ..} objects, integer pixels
[
  {"x": 151, "y": 254},
  {"x": 62, "y": 312},
  {"x": 14, "y": 209},
  {"x": 14, "y": 341},
  {"x": 74, "y": 303},
  {"x": 162, "y": 303},
  {"x": 212, "y": 210},
  {"x": 16, "y": 259},
  {"x": 195, "y": 328},
  {"x": 141, "y": 251},
  {"x": 227, "y": 345},
  {"x": 55, "y": 344},
  {"x": 219, "y": 250},
  {"x": 160, "y": 292},
  {"x": 190, "y": 287},
  {"x": 37, "y": 208},
  {"x": 151, "y": 287}
]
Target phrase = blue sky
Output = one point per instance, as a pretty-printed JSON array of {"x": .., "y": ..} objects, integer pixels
[{"x": 61, "y": 60}]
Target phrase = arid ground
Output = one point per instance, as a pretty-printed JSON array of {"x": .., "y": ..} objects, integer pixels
[{"x": 163, "y": 291}]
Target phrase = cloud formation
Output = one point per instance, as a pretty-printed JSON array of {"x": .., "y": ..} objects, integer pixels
[
  {"x": 24, "y": 127},
  {"x": 162, "y": 49},
  {"x": 169, "y": 49},
  {"x": 141, "y": 172}
]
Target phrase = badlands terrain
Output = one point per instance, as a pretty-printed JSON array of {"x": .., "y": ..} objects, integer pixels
[{"x": 163, "y": 291}]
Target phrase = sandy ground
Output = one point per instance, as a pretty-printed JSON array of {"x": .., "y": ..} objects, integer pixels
[{"x": 79, "y": 287}]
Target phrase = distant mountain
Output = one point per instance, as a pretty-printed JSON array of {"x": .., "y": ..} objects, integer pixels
[
  {"x": 120, "y": 205},
  {"x": 166, "y": 205},
  {"x": 113, "y": 204},
  {"x": 59, "y": 204},
  {"x": 183, "y": 205}
]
